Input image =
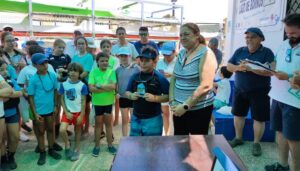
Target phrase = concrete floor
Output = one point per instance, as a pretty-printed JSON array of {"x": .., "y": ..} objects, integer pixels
[{"x": 26, "y": 157}]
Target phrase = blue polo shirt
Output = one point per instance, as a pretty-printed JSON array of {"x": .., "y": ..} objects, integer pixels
[
  {"x": 249, "y": 81},
  {"x": 139, "y": 46},
  {"x": 156, "y": 84}
]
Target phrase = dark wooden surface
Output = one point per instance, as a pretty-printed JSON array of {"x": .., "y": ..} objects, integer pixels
[{"x": 162, "y": 153}]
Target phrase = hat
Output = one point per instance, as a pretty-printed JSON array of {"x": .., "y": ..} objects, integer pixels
[
  {"x": 148, "y": 53},
  {"x": 124, "y": 51},
  {"x": 91, "y": 42},
  {"x": 168, "y": 48},
  {"x": 214, "y": 41},
  {"x": 38, "y": 58},
  {"x": 7, "y": 27},
  {"x": 257, "y": 31}
]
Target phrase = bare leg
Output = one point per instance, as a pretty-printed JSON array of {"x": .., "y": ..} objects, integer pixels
[
  {"x": 117, "y": 109},
  {"x": 98, "y": 129},
  {"x": 12, "y": 136},
  {"x": 108, "y": 126},
  {"x": 166, "y": 115},
  {"x": 87, "y": 115},
  {"x": 77, "y": 137},
  {"x": 40, "y": 132},
  {"x": 2, "y": 128},
  {"x": 295, "y": 154},
  {"x": 259, "y": 129},
  {"x": 283, "y": 149},
  {"x": 49, "y": 121},
  {"x": 63, "y": 133},
  {"x": 125, "y": 120},
  {"x": 239, "y": 123}
]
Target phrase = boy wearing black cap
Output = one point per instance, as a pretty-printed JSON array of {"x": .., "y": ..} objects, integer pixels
[
  {"x": 147, "y": 89},
  {"x": 42, "y": 92}
]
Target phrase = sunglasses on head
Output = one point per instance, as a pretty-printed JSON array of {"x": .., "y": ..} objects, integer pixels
[
  {"x": 8, "y": 29},
  {"x": 288, "y": 57}
]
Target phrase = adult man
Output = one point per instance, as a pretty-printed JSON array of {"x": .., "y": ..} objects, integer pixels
[
  {"x": 144, "y": 35},
  {"x": 285, "y": 111},
  {"x": 213, "y": 45},
  {"x": 70, "y": 46},
  {"x": 251, "y": 87}
]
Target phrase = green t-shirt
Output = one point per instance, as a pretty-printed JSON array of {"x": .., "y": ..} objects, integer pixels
[{"x": 103, "y": 77}]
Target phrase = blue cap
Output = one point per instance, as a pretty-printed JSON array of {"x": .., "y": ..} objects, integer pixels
[
  {"x": 256, "y": 31},
  {"x": 168, "y": 48},
  {"x": 148, "y": 53},
  {"x": 38, "y": 58}
]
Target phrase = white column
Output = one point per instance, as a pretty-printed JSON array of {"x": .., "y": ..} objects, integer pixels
[
  {"x": 93, "y": 18},
  {"x": 30, "y": 17}
]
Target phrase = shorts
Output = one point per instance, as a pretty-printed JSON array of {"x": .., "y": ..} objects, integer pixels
[
  {"x": 258, "y": 101},
  {"x": 125, "y": 103},
  {"x": 146, "y": 127},
  {"x": 74, "y": 119},
  {"x": 218, "y": 104},
  {"x": 12, "y": 119},
  {"x": 285, "y": 119},
  {"x": 32, "y": 117},
  {"x": 101, "y": 110}
]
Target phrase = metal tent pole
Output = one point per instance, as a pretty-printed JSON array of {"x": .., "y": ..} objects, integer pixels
[
  {"x": 30, "y": 17},
  {"x": 93, "y": 18}
]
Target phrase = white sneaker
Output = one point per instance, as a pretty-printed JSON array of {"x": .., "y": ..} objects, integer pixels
[{"x": 23, "y": 137}]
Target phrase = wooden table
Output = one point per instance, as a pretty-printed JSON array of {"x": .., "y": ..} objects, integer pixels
[{"x": 162, "y": 153}]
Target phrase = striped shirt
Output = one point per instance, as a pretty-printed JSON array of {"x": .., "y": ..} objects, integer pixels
[{"x": 187, "y": 79}]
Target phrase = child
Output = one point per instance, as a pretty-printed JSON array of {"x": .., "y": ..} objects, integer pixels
[
  {"x": 102, "y": 84},
  {"x": 224, "y": 88},
  {"x": 59, "y": 62},
  {"x": 124, "y": 72},
  {"x": 86, "y": 60},
  {"x": 73, "y": 95},
  {"x": 42, "y": 92},
  {"x": 11, "y": 120},
  {"x": 147, "y": 89}
]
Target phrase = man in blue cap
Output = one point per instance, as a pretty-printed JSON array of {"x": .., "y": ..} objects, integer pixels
[
  {"x": 251, "y": 87},
  {"x": 147, "y": 89}
]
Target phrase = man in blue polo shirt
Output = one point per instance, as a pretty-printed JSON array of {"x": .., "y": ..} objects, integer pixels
[{"x": 251, "y": 87}]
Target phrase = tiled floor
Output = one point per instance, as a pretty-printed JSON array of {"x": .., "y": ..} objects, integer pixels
[{"x": 26, "y": 158}]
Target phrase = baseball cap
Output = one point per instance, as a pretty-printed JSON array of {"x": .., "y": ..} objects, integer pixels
[
  {"x": 124, "y": 51},
  {"x": 256, "y": 31},
  {"x": 148, "y": 53},
  {"x": 168, "y": 48},
  {"x": 38, "y": 58},
  {"x": 91, "y": 42}
]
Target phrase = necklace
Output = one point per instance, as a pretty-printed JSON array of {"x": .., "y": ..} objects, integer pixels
[{"x": 188, "y": 54}]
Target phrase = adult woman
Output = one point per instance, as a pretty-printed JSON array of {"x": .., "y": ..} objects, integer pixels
[
  {"x": 10, "y": 55},
  {"x": 191, "y": 97}
]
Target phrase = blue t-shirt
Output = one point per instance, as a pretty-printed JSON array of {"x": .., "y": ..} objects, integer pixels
[
  {"x": 12, "y": 111},
  {"x": 42, "y": 88},
  {"x": 156, "y": 84},
  {"x": 138, "y": 45},
  {"x": 86, "y": 61},
  {"x": 249, "y": 81},
  {"x": 11, "y": 72}
]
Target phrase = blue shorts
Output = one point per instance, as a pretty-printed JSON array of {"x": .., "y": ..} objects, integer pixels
[
  {"x": 285, "y": 119},
  {"x": 146, "y": 127},
  {"x": 12, "y": 119}
]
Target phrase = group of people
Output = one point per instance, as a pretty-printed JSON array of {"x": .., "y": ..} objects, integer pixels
[
  {"x": 254, "y": 88},
  {"x": 76, "y": 81}
]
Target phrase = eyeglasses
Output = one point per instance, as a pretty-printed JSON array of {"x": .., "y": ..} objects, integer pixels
[
  {"x": 143, "y": 34},
  {"x": 288, "y": 57}
]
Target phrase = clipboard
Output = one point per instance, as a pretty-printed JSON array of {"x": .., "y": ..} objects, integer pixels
[{"x": 258, "y": 65}]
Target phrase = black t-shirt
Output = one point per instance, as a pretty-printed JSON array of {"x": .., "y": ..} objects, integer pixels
[
  {"x": 61, "y": 61},
  {"x": 155, "y": 84}
]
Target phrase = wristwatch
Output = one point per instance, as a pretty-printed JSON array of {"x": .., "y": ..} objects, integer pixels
[{"x": 186, "y": 107}]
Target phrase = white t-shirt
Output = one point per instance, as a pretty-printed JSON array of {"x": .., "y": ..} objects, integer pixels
[
  {"x": 167, "y": 68},
  {"x": 281, "y": 89},
  {"x": 133, "y": 53},
  {"x": 27, "y": 72},
  {"x": 224, "y": 90},
  {"x": 1, "y": 101},
  {"x": 72, "y": 94}
]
